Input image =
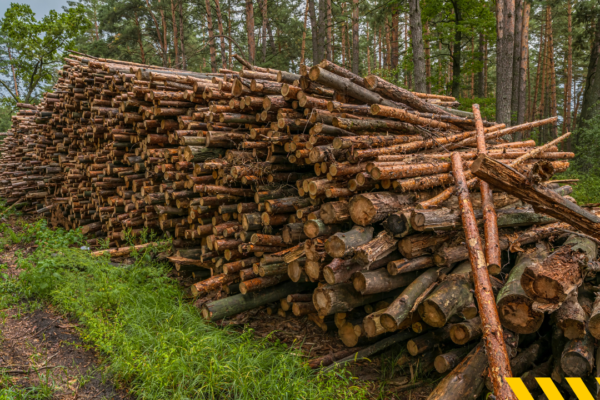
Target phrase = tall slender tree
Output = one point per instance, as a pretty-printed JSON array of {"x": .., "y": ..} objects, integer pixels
[
  {"x": 416, "y": 32},
  {"x": 514, "y": 103},
  {"x": 355, "y": 46},
  {"x": 505, "y": 29},
  {"x": 250, "y": 31}
]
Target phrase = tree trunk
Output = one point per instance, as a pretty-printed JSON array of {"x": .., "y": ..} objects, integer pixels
[
  {"x": 448, "y": 361},
  {"x": 466, "y": 381},
  {"x": 416, "y": 33},
  {"x": 395, "y": 13},
  {"x": 355, "y": 47},
  {"x": 552, "y": 72},
  {"x": 523, "y": 72},
  {"x": 211, "y": 37},
  {"x": 505, "y": 28},
  {"x": 591, "y": 94},
  {"x": 456, "y": 51},
  {"x": 369, "y": 208},
  {"x": 175, "y": 38},
  {"x": 577, "y": 359},
  {"x": 379, "y": 281},
  {"x": 569, "y": 78},
  {"x": 518, "y": 18},
  {"x": 428, "y": 341},
  {"x": 221, "y": 33},
  {"x": 466, "y": 331},
  {"x": 250, "y": 31},
  {"x": 264, "y": 31},
  {"x": 303, "y": 51},
  {"x": 330, "y": 32},
  {"x": 381, "y": 246},
  {"x": 479, "y": 77}
]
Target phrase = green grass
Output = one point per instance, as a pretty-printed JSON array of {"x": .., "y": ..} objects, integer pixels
[{"x": 153, "y": 342}]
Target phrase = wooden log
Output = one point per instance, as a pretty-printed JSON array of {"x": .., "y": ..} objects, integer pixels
[
  {"x": 464, "y": 332},
  {"x": 256, "y": 284},
  {"x": 400, "y": 95},
  {"x": 341, "y": 245},
  {"x": 324, "y": 77},
  {"x": 315, "y": 228},
  {"x": 466, "y": 380},
  {"x": 226, "y": 307},
  {"x": 572, "y": 318},
  {"x": 383, "y": 244},
  {"x": 369, "y": 208},
  {"x": 428, "y": 341},
  {"x": 492, "y": 330},
  {"x": 378, "y": 281},
  {"x": 544, "y": 200},
  {"x": 399, "y": 310},
  {"x": 448, "y": 298},
  {"x": 341, "y": 297},
  {"x": 414, "y": 246},
  {"x": 448, "y": 361},
  {"x": 553, "y": 279},
  {"x": 577, "y": 358},
  {"x": 490, "y": 219},
  {"x": 335, "y": 212},
  {"x": 515, "y": 308}
]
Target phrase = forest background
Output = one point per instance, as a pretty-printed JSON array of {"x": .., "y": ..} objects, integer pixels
[{"x": 520, "y": 60}]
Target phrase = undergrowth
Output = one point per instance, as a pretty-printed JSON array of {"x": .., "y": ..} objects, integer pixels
[{"x": 153, "y": 342}]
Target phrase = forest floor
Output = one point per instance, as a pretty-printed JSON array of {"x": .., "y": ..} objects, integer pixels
[{"x": 103, "y": 330}]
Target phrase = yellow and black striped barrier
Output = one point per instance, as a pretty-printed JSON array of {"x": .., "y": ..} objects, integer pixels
[{"x": 550, "y": 389}]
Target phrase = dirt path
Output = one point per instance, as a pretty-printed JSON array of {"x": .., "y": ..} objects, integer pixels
[{"x": 42, "y": 348}]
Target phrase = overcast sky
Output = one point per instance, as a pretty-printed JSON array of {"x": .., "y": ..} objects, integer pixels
[{"x": 39, "y": 7}]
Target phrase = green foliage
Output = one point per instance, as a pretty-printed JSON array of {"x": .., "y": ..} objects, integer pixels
[
  {"x": 487, "y": 106},
  {"x": 154, "y": 342},
  {"x": 32, "y": 49},
  {"x": 585, "y": 166},
  {"x": 5, "y": 122},
  {"x": 8, "y": 391}
]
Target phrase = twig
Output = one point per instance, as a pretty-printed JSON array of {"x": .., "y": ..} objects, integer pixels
[{"x": 20, "y": 371}]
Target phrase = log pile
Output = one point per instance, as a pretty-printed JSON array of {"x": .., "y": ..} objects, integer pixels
[{"x": 328, "y": 196}]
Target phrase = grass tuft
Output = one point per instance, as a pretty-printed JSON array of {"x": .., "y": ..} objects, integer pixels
[{"x": 153, "y": 342}]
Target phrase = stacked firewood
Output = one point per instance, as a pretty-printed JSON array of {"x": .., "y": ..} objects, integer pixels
[{"x": 322, "y": 195}]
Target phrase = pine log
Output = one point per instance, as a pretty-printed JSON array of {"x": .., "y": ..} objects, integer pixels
[
  {"x": 463, "y": 332},
  {"x": 398, "y": 311},
  {"x": 553, "y": 279},
  {"x": 577, "y": 359},
  {"x": 492, "y": 330},
  {"x": 421, "y": 344},
  {"x": 341, "y": 297},
  {"x": 369, "y": 208},
  {"x": 515, "y": 308},
  {"x": 448, "y": 298},
  {"x": 342, "y": 245},
  {"x": 226, "y": 307},
  {"x": 378, "y": 281},
  {"x": 381, "y": 246},
  {"x": 544, "y": 200}
]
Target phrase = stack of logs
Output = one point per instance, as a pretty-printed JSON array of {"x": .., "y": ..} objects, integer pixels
[{"x": 322, "y": 195}]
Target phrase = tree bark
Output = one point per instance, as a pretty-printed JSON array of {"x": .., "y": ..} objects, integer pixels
[
  {"x": 591, "y": 94},
  {"x": 228, "y": 306},
  {"x": 355, "y": 46},
  {"x": 515, "y": 308},
  {"x": 464, "y": 332},
  {"x": 523, "y": 72},
  {"x": 492, "y": 330},
  {"x": 518, "y": 18},
  {"x": 211, "y": 37},
  {"x": 369, "y": 208},
  {"x": 250, "y": 31},
  {"x": 401, "y": 307},
  {"x": 342, "y": 245},
  {"x": 416, "y": 33},
  {"x": 559, "y": 275},
  {"x": 505, "y": 28},
  {"x": 543, "y": 199}
]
